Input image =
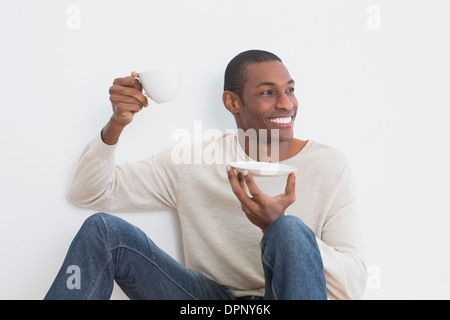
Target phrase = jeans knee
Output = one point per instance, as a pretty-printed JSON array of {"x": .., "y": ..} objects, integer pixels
[
  {"x": 112, "y": 229},
  {"x": 287, "y": 230},
  {"x": 96, "y": 219},
  {"x": 95, "y": 224}
]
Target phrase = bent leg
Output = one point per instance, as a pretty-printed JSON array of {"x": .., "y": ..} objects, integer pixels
[
  {"x": 292, "y": 263},
  {"x": 108, "y": 248}
]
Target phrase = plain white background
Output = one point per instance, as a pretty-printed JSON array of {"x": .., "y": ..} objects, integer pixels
[{"x": 372, "y": 80}]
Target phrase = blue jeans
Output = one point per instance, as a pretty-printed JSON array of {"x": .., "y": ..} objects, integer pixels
[{"x": 108, "y": 249}]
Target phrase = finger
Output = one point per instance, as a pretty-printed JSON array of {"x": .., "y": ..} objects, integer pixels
[
  {"x": 116, "y": 98},
  {"x": 241, "y": 180},
  {"x": 125, "y": 81},
  {"x": 252, "y": 187},
  {"x": 135, "y": 75},
  {"x": 118, "y": 90},
  {"x": 237, "y": 188},
  {"x": 290, "y": 188},
  {"x": 129, "y": 81},
  {"x": 124, "y": 108}
]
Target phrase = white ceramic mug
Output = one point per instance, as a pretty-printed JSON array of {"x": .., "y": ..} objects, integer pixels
[{"x": 161, "y": 85}]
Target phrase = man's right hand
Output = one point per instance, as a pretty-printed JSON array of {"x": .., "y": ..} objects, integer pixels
[{"x": 127, "y": 99}]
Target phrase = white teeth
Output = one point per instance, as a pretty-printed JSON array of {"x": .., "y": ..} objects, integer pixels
[{"x": 285, "y": 120}]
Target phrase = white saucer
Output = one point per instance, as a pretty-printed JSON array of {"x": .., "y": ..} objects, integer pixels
[{"x": 263, "y": 168}]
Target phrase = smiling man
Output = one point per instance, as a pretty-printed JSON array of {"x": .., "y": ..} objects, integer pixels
[{"x": 244, "y": 236}]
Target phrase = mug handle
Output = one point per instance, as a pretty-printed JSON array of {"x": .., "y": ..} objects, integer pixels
[{"x": 143, "y": 90}]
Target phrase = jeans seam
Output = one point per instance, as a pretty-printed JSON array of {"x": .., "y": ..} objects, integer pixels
[
  {"x": 119, "y": 246},
  {"x": 274, "y": 292},
  {"x": 106, "y": 225},
  {"x": 142, "y": 255},
  {"x": 267, "y": 263},
  {"x": 94, "y": 286},
  {"x": 102, "y": 269}
]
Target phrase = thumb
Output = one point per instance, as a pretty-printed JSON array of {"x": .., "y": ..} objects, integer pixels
[
  {"x": 290, "y": 188},
  {"x": 135, "y": 75}
]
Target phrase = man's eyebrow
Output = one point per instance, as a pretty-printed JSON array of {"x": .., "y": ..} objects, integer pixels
[{"x": 272, "y": 83}]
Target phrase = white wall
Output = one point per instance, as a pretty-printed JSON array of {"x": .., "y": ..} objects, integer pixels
[{"x": 372, "y": 79}]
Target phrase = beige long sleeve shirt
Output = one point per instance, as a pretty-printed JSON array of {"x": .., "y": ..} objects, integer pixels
[{"x": 218, "y": 239}]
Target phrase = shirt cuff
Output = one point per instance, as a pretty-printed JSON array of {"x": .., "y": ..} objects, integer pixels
[{"x": 100, "y": 150}]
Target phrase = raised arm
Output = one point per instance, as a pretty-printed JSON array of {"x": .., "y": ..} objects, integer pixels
[
  {"x": 127, "y": 99},
  {"x": 98, "y": 183}
]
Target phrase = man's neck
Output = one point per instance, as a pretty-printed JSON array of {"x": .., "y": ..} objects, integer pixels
[{"x": 271, "y": 152}]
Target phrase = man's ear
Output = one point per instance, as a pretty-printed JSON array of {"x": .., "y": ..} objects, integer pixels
[{"x": 232, "y": 102}]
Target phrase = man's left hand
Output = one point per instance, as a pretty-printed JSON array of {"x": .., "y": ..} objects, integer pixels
[{"x": 261, "y": 209}]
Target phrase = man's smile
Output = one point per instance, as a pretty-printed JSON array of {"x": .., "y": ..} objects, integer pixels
[{"x": 284, "y": 122}]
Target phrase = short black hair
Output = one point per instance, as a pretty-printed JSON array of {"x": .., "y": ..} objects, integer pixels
[{"x": 236, "y": 71}]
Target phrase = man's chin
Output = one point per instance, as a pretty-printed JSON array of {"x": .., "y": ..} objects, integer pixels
[{"x": 282, "y": 135}]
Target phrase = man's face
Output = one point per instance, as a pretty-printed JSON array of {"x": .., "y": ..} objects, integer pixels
[{"x": 268, "y": 100}]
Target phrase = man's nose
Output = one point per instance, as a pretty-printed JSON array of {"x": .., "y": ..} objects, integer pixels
[{"x": 284, "y": 102}]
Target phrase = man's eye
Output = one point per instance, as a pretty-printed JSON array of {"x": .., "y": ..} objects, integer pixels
[
  {"x": 290, "y": 90},
  {"x": 267, "y": 92}
]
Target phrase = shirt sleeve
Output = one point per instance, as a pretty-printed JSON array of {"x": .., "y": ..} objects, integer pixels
[
  {"x": 341, "y": 244},
  {"x": 98, "y": 183}
]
